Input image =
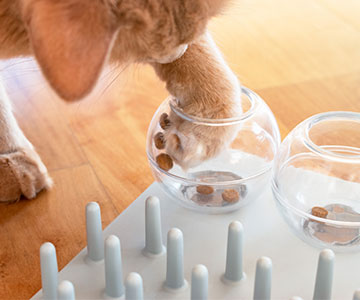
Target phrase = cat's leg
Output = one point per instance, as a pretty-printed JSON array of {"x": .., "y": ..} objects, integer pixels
[
  {"x": 205, "y": 87},
  {"x": 21, "y": 169}
]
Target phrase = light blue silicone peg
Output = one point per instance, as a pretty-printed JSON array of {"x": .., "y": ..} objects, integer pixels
[
  {"x": 134, "y": 287},
  {"x": 94, "y": 234},
  {"x": 49, "y": 271},
  {"x": 324, "y": 275},
  {"x": 356, "y": 295},
  {"x": 262, "y": 289},
  {"x": 175, "y": 261},
  {"x": 114, "y": 286},
  {"x": 153, "y": 236},
  {"x": 66, "y": 291},
  {"x": 199, "y": 283},
  {"x": 234, "y": 255}
]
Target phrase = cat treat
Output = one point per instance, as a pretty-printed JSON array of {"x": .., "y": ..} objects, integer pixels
[
  {"x": 230, "y": 195},
  {"x": 318, "y": 211},
  {"x": 159, "y": 140},
  {"x": 205, "y": 189},
  {"x": 164, "y": 161},
  {"x": 164, "y": 121}
]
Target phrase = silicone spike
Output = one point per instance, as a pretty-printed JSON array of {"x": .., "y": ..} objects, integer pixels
[
  {"x": 324, "y": 275},
  {"x": 153, "y": 236},
  {"x": 199, "y": 283},
  {"x": 49, "y": 271},
  {"x": 262, "y": 289},
  {"x": 175, "y": 260},
  {"x": 94, "y": 234},
  {"x": 66, "y": 291},
  {"x": 234, "y": 266},
  {"x": 114, "y": 286},
  {"x": 134, "y": 287}
]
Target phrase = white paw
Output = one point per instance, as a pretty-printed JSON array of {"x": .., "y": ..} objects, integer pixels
[
  {"x": 22, "y": 173},
  {"x": 190, "y": 144}
]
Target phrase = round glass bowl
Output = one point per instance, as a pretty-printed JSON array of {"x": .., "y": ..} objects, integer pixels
[
  {"x": 316, "y": 180},
  {"x": 213, "y": 165}
]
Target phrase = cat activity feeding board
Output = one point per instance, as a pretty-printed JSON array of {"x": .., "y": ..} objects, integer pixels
[
  {"x": 244, "y": 254},
  {"x": 241, "y": 255}
]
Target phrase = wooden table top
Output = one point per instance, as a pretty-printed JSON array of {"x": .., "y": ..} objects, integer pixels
[{"x": 302, "y": 57}]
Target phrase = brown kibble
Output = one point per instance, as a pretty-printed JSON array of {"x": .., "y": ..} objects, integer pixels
[
  {"x": 159, "y": 140},
  {"x": 230, "y": 195},
  {"x": 164, "y": 161},
  {"x": 320, "y": 212},
  {"x": 164, "y": 121},
  {"x": 204, "y": 189}
]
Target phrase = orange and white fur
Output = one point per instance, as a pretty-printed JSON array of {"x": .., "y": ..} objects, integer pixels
[{"x": 73, "y": 39}]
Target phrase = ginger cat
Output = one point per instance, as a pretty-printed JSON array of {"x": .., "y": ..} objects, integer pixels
[{"x": 73, "y": 39}]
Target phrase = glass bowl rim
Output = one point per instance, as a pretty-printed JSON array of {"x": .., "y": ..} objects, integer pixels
[
  {"x": 254, "y": 99},
  {"x": 281, "y": 199},
  {"x": 328, "y": 116}
]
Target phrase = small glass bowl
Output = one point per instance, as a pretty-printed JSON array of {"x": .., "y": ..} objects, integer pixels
[
  {"x": 316, "y": 180},
  {"x": 231, "y": 178}
]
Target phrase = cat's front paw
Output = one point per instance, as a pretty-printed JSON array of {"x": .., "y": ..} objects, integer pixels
[
  {"x": 190, "y": 143},
  {"x": 22, "y": 173}
]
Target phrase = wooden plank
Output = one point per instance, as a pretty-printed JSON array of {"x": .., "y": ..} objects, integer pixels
[
  {"x": 56, "y": 216},
  {"x": 347, "y": 10},
  {"x": 272, "y": 43},
  {"x": 294, "y": 103}
]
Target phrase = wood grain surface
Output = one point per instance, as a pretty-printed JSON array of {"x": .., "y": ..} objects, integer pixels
[{"x": 302, "y": 57}]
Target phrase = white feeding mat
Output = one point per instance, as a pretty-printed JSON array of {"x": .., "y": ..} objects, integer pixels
[{"x": 290, "y": 272}]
